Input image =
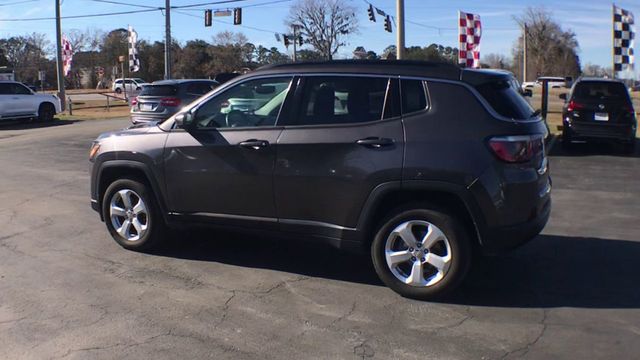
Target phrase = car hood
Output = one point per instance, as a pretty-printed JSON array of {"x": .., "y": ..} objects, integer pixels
[{"x": 137, "y": 129}]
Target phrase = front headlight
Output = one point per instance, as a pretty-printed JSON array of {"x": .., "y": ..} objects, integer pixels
[{"x": 95, "y": 147}]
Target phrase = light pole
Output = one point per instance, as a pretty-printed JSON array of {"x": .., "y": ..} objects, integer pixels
[
  {"x": 167, "y": 40},
  {"x": 59, "y": 70},
  {"x": 400, "y": 24}
]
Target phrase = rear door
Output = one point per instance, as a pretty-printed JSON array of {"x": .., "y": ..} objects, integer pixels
[
  {"x": 343, "y": 139},
  {"x": 221, "y": 170}
]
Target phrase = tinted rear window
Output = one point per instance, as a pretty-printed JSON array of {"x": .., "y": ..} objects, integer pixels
[
  {"x": 504, "y": 97},
  {"x": 159, "y": 90},
  {"x": 413, "y": 96},
  {"x": 598, "y": 90}
]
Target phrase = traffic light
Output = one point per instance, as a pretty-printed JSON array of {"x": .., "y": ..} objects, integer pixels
[
  {"x": 208, "y": 17},
  {"x": 237, "y": 16},
  {"x": 286, "y": 40},
  {"x": 387, "y": 24},
  {"x": 300, "y": 40},
  {"x": 372, "y": 15}
]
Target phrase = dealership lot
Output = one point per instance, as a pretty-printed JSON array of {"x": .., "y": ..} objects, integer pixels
[{"x": 68, "y": 291}]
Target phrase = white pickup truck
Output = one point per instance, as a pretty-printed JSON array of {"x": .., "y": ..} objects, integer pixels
[{"x": 18, "y": 102}]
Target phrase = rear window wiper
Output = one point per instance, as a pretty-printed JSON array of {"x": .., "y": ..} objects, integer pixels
[{"x": 535, "y": 114}]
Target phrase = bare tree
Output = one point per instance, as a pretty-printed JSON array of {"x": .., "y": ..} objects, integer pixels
[
  {"x": 496, "y": 61},
  {"x": 550, "y": 49},
  {"x": 324, "y": 24}
]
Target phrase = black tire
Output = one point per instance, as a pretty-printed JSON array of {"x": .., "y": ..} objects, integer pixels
[
  {"x": 46, "y": 112},
  {"x": 118, "y": 91},
  {"x": 567, "y": 139},
  {"x": 460, "y": 251},
  {"x": 155, "y": 231},
  {"x": 629, "y": 147}
]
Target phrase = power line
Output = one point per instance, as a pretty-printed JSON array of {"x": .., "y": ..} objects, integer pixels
[
  {"x": 127, "y": 4},
  {"x": 229, "y": 23},
  {"x": 84, "y": 16},
  {"x": 247, "y": 6},
  {"x": 18, "y": 2}
]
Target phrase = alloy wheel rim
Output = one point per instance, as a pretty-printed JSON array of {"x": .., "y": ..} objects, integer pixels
[
  {"x": 418, "y": 253},
  {"x": 129, "y": 215}
]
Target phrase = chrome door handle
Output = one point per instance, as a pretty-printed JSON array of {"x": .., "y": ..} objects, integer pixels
[
  {"x": 375, "y": 142},
  {"x": 254, "y": 144}
]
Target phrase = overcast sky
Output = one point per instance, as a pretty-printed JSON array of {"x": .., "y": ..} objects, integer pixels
[{"x": 428, "y": 21}]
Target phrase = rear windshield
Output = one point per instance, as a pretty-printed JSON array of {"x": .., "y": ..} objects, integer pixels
[
  {"x": 159, "y": 90},
  {"x": 598, "y": 90},
  {"x": 505, "y": 98}
]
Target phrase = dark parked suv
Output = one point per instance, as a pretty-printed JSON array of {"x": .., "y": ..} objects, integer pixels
[
  {"x": 599, "y": 109},
  {"x": 421, "y": 164},
  {"x": 161, "y": 99}
]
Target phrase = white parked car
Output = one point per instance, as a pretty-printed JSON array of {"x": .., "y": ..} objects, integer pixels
[
  {"x": 19, "y": 102},
  {"x": 131, "y": 84}
]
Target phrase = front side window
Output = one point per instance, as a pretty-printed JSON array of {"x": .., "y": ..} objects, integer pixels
[
  {"x": 251, "y": 103},
  {"x": 343, "y": 100}
]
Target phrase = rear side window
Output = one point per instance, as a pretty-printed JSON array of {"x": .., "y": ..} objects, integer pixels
[
  {"x": 159, "y": 90},
  {"x": 504, "y": 97},
  {"x": 344, "y": 99},
  {"x": 414, "y": 97},
  {"x": 199, "y": 88},
  {"x": 600, "y": 90}
]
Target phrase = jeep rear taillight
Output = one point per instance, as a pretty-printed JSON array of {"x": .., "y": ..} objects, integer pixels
[
  {"x": 517, "y": 149},
  {"x": 134, "y": 101}
]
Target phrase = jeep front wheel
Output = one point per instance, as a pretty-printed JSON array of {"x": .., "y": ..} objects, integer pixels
[
  {"x": 421, "y": 253},
  {"x": 132, "y": 216}
]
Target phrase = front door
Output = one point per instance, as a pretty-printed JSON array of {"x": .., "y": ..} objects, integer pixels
[
  {"x": 222, "y": 167},
  {"x": 346, "y": 139}
]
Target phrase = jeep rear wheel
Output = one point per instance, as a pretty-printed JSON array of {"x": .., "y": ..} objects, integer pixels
[
  {"x": 421, "y": 253},
  {"x": 46, "y": 112},
  {"x": 132, "y": 216}
]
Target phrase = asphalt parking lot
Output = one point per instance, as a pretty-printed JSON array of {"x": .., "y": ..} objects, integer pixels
[{"x": 67, "y": 291}]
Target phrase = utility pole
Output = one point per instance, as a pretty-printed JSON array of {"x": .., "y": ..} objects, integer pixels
[
  {"x": 400, "y": 24},
  {"x": 524, "y": 53},
  {"x": 60, "y": 71},
  {"x": 167, "y": 40},
  {"x": 295, "y": 41}
]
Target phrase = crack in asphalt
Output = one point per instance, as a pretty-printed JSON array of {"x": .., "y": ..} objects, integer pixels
[{"x": 526, "y": 348}]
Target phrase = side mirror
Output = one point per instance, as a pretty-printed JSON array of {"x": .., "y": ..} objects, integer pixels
[
  {"x": 527, "y": 93},
  {"x": 184, "y": 120},
  {"x": 563, "y": 96}
]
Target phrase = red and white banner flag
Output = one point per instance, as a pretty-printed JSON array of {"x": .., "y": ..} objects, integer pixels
[
  {"x": 67, "y": 55},
  {"x": 470, "y": 33}
]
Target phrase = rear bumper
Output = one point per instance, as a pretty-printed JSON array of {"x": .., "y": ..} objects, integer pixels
[
  {"x": 501, "y": 239},
  {"x": 138, "y": 118},
  {"x": 593, "y": 130}
]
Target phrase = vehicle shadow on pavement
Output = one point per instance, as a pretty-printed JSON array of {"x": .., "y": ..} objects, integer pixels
[
  {"x": 257, "y": 251},
  {"x": 558, "y": 271},
  {"x": 26, "y": 125},
  {"x": 550, "y": 271},
  {"x": 593, "y": 149}
]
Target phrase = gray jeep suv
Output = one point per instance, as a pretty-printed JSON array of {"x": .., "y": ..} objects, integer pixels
[{"x": 421, "y": 164}]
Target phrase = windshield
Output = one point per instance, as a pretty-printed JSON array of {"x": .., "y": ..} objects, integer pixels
[
  {"x": 159, "y": 90},
  {"x": 600, "y": 90},
  {"x": 504, "y": 97}
]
